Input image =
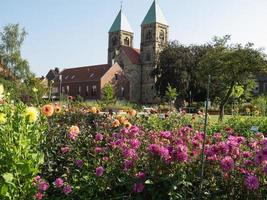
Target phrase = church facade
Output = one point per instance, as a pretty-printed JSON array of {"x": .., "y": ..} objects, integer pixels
[
  {"x": 138, "y": 64},
  {"x": 128, "y": 69}
]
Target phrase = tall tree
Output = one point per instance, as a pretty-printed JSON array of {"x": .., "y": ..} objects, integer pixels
[
  {"x": 230, "y": 65},
  {"x": 177, "y": 67},
  {"x": 11, "y": 40}
]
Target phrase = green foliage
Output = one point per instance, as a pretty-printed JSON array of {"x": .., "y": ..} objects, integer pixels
[
  {"x": 230, "y": 66},
  {"x": 243, "y": 124},
  {"x": 20, "y": 155},
  {"x": 260, "y": 103},
  {"x": 108, "y": 95},
  {"x": 11, "y": 40},
  {"x": 178, "y": 67},
  {"x": 21, "y": 85},
  {"x": 171, "y": 93}
]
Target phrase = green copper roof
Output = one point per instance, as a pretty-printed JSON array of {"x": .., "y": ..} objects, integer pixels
[
  {"x": 154, "y": 15},
  {"x": 120, "y": 24}
]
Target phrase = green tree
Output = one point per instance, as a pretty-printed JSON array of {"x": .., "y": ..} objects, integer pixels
[
  {"x": 177, "y": 66},
  {"x": 11, "y": 40},
  {"x": 171, "y": 94},
  {"x": 230, "y": 66},
  {"x": 108, "y": 96}
]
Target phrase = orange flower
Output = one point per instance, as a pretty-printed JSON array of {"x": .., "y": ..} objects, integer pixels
[
  {"x": 115, "y": 123},
  {"x": 74, "y": 129},
  {"x": 132, "y": 112},
  {"x": 57, "y": 109},
  {"x": 93, "y": 110},
  {"x": 48, "y": 110},
  {"x": 120, "y": 118},
  {"x": 127, "y": 124}
]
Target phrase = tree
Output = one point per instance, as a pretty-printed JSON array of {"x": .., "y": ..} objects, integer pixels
[
  {"x": 108, "y": 94},
  {"x": 177, "y": 66},
  {"x": 230, "y": 67},
  {"x": 171, "y": 94},
  {"x": 11, "y": 40}
]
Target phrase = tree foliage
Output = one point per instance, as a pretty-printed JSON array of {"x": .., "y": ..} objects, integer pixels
[
  {"x": 230, "y": 66},
  {"x": 178, "y": 66},
  {"x": 108, "y": 95},
  {"x": 12, "y": 38},
  {"x": 171, "y": 93},
  {"x": 11, "y": 41}
]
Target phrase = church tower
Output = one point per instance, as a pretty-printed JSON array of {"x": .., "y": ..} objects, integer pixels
[
  {"x": 154, "y": 36},
  {"x": 120, "y": 34}
]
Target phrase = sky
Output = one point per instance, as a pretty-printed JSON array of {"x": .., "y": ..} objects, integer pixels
[{"x": 73, "y": 33}]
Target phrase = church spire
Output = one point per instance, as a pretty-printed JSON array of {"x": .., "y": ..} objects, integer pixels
[
  {"x": 154, "y": 15},
  {"x": 121, "y": 23}
]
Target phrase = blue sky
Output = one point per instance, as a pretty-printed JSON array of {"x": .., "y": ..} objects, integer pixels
[{"x": 70, "y": 33}]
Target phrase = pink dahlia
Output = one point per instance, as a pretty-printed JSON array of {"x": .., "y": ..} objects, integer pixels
[
  {"x": 43, "y": 186},
  {"x": 227, "y": 163},
  {"x": 38, "y": 196},
  {"x": 135, "y": 143},
  {"x": 99, "y": 171},
  {"x": 59, "y": 182},
  {"x": 138, "y": 187},
  {"x": 165, "y": 134},
  {"x": 99, "y": 137},
  {"x": 67, "y": 189},
  {"x": 252, "y": 182},
  {"x": 65, "y": 150}
]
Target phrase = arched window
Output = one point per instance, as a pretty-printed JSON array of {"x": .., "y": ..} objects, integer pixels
[
  {"x": 114, "y": 41},
  {"x": 127, "y": 41},
  {"x": 149, "y": 35}
]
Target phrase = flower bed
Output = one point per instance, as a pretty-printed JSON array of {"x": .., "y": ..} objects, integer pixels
[
  {"x": 70, "y": 152},
  {"x": 108, "y": 158}
]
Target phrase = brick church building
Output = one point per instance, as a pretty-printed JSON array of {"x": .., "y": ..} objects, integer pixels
[{"x": 128, "y": 69}]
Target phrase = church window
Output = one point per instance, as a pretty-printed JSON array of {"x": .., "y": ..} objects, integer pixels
[
  {"x": 68, "y": 89},
  {"x": 114, "y": 41},
  {"x": 149, "y": 35},
  {"x": 127, "y": 41}
]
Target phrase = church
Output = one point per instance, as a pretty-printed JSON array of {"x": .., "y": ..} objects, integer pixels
[{"x": 128, "y": 68}]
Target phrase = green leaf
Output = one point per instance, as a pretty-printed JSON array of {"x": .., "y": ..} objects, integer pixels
[
  {"x": 8, "y": 177},
  {"x": 4, "y": 191}
]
